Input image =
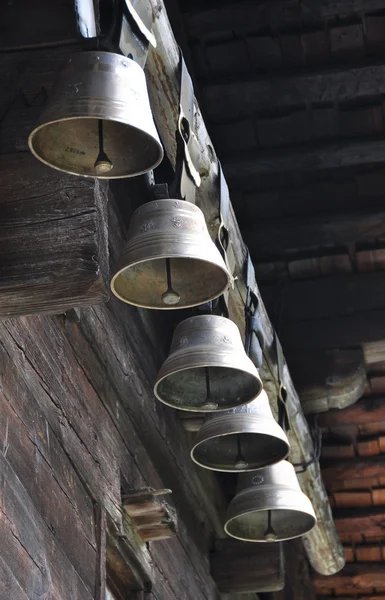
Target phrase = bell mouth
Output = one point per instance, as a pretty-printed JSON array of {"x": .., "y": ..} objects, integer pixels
[
  {"x": 286, "y": 523},
  {"x": 72, "y": 145},
  {"x": 186, "y": 389},
  {"x": 194, "y": 280},
  {"x": 227, "y": 452}
]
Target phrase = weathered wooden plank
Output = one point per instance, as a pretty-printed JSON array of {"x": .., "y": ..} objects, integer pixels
[
  {"x": 53, "y": 240},
  {"x": 334, "y": 296},
  {"x": 233, "y": 567},
  {"x": 242, "y": 167},
  {"x": 354, "y": 576},
  {"x": 22, "y": 26},
  {"x": 29, "y": 548},
  {"x": 322, "y": 544},
  {"x": 246, "y": 16},
  {"x": 275, "y": 238},
  {"x": 288, "y": 90},
  {"x": 366, "y": 410},
  {"x": 336, "y": 332},
  {"x": 298, "y": 583},
  {"x": 72, "y": 529}
]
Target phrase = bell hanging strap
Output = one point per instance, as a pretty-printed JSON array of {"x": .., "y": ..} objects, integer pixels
[
  {"x": 255, "y": 342},
  {"x": 187, "y": 177},
  {"x": 116, "y": 26},
  {"x": 283, "y": 417}
]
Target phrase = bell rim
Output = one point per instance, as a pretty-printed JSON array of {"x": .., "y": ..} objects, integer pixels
[
  {"x": 169, "y": 307},
  {"x": 279, "y": 539},
  {"x": 307, "y": 510},
  {"x": 200, "y": 408},
  {"x": 52, "y": 166},
  {"x": 282, "y": 440}
]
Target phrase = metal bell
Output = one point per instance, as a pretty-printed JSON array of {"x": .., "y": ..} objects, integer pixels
[
  {"x": 269, "y": 506},
  {"x": 170, "y": 260},
  {"x": 207, "y": 368},
  {"x": 246, "y": 439},
  {"x": 98, "y": 120}
]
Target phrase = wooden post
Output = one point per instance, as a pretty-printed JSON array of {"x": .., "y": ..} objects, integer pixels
[
  {"x": 53, "y": 242},
  {"x": 238, "y": 567},
  {"x": 322, "y": 544}
]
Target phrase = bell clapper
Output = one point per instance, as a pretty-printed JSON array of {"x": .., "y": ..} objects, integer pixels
[
  {"x": 170, "y": 296},
  {"x": 102, "y": 163},
  {"x": 208, "y": 404},
  {"x": 240, "y": 462},
  {"x": 270, "y": 535}
]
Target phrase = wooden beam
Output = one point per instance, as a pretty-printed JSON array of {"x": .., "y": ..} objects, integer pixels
[
  {"x": 335, "y": 332},
  {"x": 245, "y": 16},
  {"x": 366, "y": 410},
  {"x": 233, "y": 566},
  {"x": 53, "y": 246},
  {"x": 247, "y": 167},
  {"x": 275, "y": 238},
  {"x": 325, "y": 297},
  {"x": 288, "y": 90},
  {"x": 323, "y": 546},
  {"x": 355, "y": 576},
  {"x": 32, "y": 30}
]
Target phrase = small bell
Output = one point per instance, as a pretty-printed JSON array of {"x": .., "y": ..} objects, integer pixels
[
  {"x": 207, "y": 368},
  {"x": 246, "y": 439},
  {"x": 170, "y": 260},
  {"x": 269, "y": 506},
  {"x": 98, "y": 120}
]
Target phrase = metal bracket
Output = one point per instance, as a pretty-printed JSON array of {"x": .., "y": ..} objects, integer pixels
[
  {"x": 187, "y": 177},
  {"x": 283, "y": 417},
  {"x": 142, "y": 14},
  {"x": 255, "y": 341},
  {"x": 120, "y": 26},
  {"x": 224, "y": 211}
]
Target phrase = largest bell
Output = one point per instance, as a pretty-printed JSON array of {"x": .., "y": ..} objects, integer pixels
[
  {"x": 269, "y": 506},
  {"x": 170, "y": 260},
  {"x": 207, "y": 368},
  {"x": 98, "y": 121},
  {"x": 245, "y": 439}
]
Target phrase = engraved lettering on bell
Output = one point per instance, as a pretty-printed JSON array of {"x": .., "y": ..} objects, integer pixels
[
  {"x": 147, "y": 226},
  {"x": 258, "y": 479},
  {"x": 182, "y": 342},
  {"x": 177, "y": 222},
  {"x": 227, "y": 340}
]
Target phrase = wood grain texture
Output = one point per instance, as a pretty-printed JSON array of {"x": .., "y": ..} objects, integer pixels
[
  {"x": 233, "y": 567},
  {"x": 53, "y": 240},
  {"x": 275, "y": 238},
  {"x": 245, "y": 16},
  {"x": 334, "y": 296},
  {"x": 247, "y": 167},
  {"x": 288, "y": 90}
]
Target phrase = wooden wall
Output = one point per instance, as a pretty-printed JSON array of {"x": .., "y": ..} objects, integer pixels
[{"x": 78, "y": 419}]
